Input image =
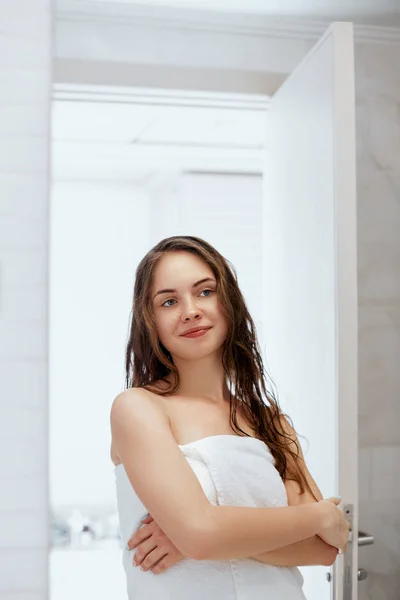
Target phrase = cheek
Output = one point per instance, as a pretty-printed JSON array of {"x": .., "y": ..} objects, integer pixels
[
  {"x": 225, "y": 324},
  {"x": 165, "y": 323},
  {"x": 221, "y": 314}
]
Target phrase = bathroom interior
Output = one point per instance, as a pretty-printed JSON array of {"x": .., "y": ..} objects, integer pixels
[{"x": 139, "y": 120}]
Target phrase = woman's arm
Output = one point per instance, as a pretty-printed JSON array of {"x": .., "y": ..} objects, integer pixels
[
  {"x": 312, "y": 551},
  {"x": 165, "y": 483}
]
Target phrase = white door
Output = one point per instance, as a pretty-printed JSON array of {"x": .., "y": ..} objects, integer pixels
[{"x": 310, "y": 277}]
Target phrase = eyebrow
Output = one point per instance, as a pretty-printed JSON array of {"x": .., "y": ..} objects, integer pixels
[{"x": 170, "y": 291}]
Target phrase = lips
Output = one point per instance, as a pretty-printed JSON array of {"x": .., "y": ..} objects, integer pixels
[{"x": 194, "y": 330}]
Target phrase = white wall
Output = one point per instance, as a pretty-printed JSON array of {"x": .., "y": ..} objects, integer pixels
[
  {"x": 99, "y": 232},
  {"x": 25, "y": 69}
]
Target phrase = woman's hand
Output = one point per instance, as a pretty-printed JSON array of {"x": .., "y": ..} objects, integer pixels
[
  {"x": 336, "y": 529},
  {"x": 155, "y": 551}
]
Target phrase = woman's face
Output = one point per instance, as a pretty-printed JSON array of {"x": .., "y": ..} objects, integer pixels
[{"x": 184, "y": 297}]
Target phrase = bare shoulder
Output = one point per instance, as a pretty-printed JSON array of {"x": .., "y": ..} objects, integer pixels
[
  {"x": 137, "y": 404},
  {"x": 128, "y": 399}
]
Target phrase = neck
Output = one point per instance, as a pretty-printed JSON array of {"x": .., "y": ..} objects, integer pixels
[{"x": 204, "y": 378}]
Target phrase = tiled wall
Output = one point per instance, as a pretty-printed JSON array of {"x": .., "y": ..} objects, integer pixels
[
  {"x": 378, "y": 175},
  {"x": 25, "y": 70}
]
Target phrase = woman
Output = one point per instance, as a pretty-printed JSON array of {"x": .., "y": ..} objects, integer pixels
[{"x": 204, "y": 451}]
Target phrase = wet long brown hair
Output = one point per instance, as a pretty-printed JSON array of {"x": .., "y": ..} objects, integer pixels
[{"x": 147, "y": 361}]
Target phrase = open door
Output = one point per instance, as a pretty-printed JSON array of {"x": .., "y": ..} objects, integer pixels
[{"x": 310, "y": 278}]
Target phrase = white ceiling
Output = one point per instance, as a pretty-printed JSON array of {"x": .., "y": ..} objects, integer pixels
[{"x": 385, "y": 12}]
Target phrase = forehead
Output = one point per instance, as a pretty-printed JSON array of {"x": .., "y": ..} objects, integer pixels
[{"x": 179, "y": 268}]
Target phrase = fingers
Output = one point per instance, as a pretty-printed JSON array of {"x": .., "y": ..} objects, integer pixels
[
  {"x": 139, "y": 536},
  {"x": 161, "y": 566},
  {"x": 147, "y": 520},
  {"x": 346, "y": 535},
  {"x": 147, "y": 554},
  {"x": 149, "y": 560},
  {"x": 154, "y": 551},
  {"x": 166, "y": 562},
  {"x": 334, "y": 500}
]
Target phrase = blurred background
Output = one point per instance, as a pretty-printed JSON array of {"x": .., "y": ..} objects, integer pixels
[{"x": 150, "y": 117}]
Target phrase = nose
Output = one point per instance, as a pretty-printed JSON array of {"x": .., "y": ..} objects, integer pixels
[{"x": 190, "y": 311}]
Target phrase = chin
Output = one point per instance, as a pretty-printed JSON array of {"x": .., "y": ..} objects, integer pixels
[{"x": 197, "y": 351}]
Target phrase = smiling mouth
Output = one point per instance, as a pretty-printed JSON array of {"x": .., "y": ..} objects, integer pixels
[{"x": 196, "y": 332}]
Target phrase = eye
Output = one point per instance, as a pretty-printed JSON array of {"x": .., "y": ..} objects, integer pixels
[
  {"x": 210, "y": 292},
  {"x": 165, "y": 303}
]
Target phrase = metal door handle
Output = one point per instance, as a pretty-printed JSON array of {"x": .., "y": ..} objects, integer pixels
[
  {"x": 365, "y": 539},
  {"x": 362, "y": 574}
]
